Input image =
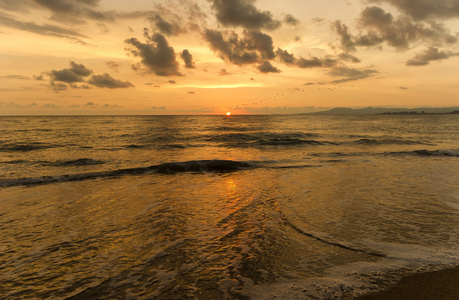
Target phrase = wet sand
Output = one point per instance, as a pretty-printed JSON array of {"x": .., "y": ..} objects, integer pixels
[{"x": 442, "y": 285}]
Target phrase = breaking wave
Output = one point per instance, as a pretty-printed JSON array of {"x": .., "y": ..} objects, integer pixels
[{"x": 166, "y": 168}]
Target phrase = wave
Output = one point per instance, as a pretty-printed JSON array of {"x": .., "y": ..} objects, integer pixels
[
  {"x": 265, "y": 139},
  {"x": 79, "y": 162},
  {"x": 218, "y": 166},
  {"x": 366, "y": 141},
  {"x": 447, "y": 152},
  {"x": 23, "y": 147},
  {"x": 443, "y": 152}
]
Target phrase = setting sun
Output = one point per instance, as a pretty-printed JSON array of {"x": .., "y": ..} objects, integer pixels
[{"x": 228, "y": 113}]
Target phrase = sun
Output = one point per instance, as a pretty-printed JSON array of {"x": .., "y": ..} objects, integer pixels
[{"x": 228, "y": 113}]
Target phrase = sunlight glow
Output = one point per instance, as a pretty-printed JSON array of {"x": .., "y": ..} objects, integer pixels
[{"x": 228, "y": 113}]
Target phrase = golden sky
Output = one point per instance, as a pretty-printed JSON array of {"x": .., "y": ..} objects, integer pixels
[{"x": 213, "y": 56}]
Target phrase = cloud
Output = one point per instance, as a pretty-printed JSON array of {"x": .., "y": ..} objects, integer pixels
[
  {"x": 172, "y": 82},
  {"x": 243, "y": 13},
  {"x": 166, "y": 27},
  {"x": 65, "y": 75},
  {"x": 188, "y": 59},
  {"x": 71, "y": 11},
  {"x": 107, "y": 81},
  {"x": 103, "y": 28},
  {"x": 113, "y": 65},
  {"x": 285, "y": 57},
  {"x": 46, "y": 29},
  {"x": 309, "y": 63},
  {"x": 348, "y": 57},
  {"x": 350, "y": 74},
  {"x": 426, "y": 9},
  {"x": 14, "y": 76},
  {"x": 430, "y": 54},
  {"x": 79, "y": 69},
  {"x": 223, "y": 72},
  {"x": 58, "y": 86},
  {"x": 252, "y": 47},
  {"x": 291, "y": 20},
  {"x": 267, "y": 67},
  {"x": 347, "y": 43},
  {"x": 14, "y": 5},
  {"x": 74, "y": 77},
  {"x": 155, "y": 54},
  {"x": 180, "y": 16},
  {"x": 312, "y": 62},
  {"x": 380, "y": 26}
]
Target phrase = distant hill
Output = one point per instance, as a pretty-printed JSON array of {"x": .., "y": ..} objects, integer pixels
[{"x": 386, "y": 110}]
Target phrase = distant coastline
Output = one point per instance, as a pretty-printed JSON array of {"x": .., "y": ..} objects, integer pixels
[{"x": 387, "y": 110}]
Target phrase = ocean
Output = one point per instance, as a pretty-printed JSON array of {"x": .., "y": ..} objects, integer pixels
[{"x": 225, "y": 207}]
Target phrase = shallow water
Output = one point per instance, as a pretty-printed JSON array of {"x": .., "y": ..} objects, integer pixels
[{"x": 224, "y": 207}]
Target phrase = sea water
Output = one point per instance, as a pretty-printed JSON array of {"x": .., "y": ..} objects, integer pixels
[{"x": 218, "y": 207}]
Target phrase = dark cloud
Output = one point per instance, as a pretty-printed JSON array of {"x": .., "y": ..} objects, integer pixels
[
  {"x": 430, "y": 54},
  {"x": 285, "y": 57},
  {"x": 72, "y": 75},
  {"x": 426, "y": 9},
  {"x": 261, "y": 42},
  {"x": 249, "y": 49},
  {"x": 347, "y": 42},
  {"x": 380, "y": 26},
  {"x": 79, "y": 69},
  {"x": 291, "y": 20},
  {"x": 350, "y": 74},
  {"x": 172, "y": 82},
  {"x": 312, "y": 62},
  {"x": 166, "y": 27},
  {"x": 267, "y": 67},
  {"x": 155, "y": 54},
  {"x": 223, "y": 72},
  {"x": 65, "y": 75},
  {"x": 75, "y": 77},
  {"x": 46, "y": 29},
  {"x": 309, "y": 63},
  {"x": 188, "y": 59},
  {"x": 243, "y": 13},
  {"x": 107, "y": 81}
]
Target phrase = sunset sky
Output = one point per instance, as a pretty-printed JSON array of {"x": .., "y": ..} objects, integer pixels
[{"x": 213, "y": 56}]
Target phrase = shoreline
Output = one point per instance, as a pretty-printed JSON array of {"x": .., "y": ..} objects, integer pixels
[{"x": 443, "y": 284}]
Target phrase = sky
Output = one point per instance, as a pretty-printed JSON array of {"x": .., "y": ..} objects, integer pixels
[{"x": 212, "y": 56}]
